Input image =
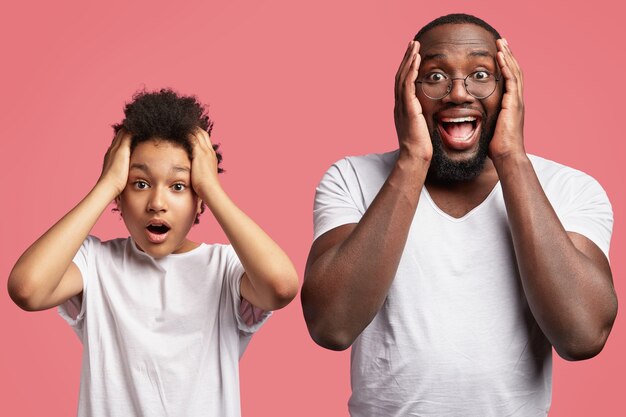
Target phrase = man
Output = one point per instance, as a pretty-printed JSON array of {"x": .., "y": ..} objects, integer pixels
[{"x": 455, "y": 263}]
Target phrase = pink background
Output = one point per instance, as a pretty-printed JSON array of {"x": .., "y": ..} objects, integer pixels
[{"x": 292, "y": 87}]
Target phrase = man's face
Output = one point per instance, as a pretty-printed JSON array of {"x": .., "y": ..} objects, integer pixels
[
  {"x": 461, "y": 126},
  {"x": 158, "y": 204}
]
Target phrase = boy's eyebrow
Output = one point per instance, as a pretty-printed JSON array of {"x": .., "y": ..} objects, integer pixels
[
  {"x": 146, "y": 169},
  {"x": 142, "y": 167}
]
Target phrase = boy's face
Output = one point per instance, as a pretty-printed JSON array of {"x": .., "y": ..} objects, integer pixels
[{"x": 158, "y": 204}]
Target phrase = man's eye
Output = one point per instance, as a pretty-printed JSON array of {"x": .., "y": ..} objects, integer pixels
[
  {"x": 481, "y": 76},
  {"x": 435, "y": 77},
  {"x": 141, "y": 185},
  {"x": 179, "y": 187}
]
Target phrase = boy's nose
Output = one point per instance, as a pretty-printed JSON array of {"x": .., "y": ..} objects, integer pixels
[{"x": 157, "y": 201}]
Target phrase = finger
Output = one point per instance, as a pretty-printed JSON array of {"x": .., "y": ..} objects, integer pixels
[
  {"x": 517, "y": 69},
  {"x": 201, "y": 140},
  {"x": 125, "y": 139},
  {"x": 510, "y": 82},
  {"x": 512, "y": 63},
  {"x": 410, "y": 62},
  {"x": 408, "y": 59},
  {"x": 205, "y": 136},
  {"x": 411, "y": 76}
]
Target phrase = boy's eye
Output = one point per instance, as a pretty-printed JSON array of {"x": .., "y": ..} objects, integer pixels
[
  {"x": 141, "y": 185},
  {"x": 179, "y": 187}
]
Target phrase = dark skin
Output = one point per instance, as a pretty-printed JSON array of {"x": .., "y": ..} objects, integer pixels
[{"x": 566, "y": 278}]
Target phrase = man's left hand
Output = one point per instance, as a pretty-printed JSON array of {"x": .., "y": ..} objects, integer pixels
[{"x": 508, "y": 138}]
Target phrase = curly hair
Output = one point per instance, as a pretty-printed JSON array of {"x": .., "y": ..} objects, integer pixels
[
  {"x": 456, "y": 19},
  {"x": 168, "y": 116}
]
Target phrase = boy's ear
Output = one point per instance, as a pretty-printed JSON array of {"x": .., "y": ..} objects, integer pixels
[
  {"x": 199, "y": 209},
  {"x": 117, "y": 204}
]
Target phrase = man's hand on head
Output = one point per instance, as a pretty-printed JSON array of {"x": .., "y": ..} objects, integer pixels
[
  {"x": 413, "y": 135},
  {"x": 116, "y": 161},
  {"x": 508, "y": 138}
]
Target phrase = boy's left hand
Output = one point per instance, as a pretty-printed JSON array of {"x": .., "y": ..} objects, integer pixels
[{"x": 203, "y": 163}]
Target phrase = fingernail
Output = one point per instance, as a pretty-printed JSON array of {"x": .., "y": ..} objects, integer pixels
[{"x": 505, "y": 42}]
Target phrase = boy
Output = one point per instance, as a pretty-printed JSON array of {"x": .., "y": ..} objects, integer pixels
[{"x": 163, "y": 320}]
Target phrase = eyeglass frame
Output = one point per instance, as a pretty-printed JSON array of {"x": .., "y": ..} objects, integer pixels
[{"x": 451, "y": 84}]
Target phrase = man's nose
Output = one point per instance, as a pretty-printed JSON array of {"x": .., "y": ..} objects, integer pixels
[{"x": 458, "y": 92}]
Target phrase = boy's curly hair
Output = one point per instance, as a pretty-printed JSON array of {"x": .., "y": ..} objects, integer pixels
[{"x": 168, "y": 116}]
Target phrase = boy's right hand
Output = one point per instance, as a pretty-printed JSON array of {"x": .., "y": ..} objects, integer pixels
[{"x": 117, "y": 161}]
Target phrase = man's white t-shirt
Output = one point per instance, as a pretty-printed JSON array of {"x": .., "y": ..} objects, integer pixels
[
  {"x": 161, "y": 337},
  {"x": 455, "y": 336}
]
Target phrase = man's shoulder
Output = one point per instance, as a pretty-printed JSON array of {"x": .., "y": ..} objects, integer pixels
[
  {"x": 566, "y": 185},
  {"x": 550, "y": 171},
  {"x": 373, "y": 158},
  {"x": 367, "y": 163}
]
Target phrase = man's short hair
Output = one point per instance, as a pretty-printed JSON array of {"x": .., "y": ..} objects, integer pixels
[
  {"x": 165, "y": 115},
  {"x": 457, "y": 19}
]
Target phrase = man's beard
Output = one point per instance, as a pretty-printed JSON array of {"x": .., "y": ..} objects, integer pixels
[{"x": 444, "y": 170}]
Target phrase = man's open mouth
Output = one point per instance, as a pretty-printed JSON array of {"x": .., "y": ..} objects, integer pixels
[{"x": 459, "y": 128}]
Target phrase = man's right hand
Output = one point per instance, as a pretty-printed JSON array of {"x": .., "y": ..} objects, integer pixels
[
  {"x": 117, "y": 161},
  {"x": 413, "y": 135}
]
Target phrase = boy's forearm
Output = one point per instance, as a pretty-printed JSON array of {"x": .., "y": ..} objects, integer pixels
[
  {"x": 271, "y": 273},
  {"x": 39, "y": 270}
]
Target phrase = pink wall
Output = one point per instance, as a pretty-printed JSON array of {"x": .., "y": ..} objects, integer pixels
[{"x": 292, "y": 87}]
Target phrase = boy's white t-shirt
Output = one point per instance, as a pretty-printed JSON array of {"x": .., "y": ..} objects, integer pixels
[{"x": 161, "y": 337}]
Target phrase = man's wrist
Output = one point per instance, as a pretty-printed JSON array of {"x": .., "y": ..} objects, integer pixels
[{"x": 511, "y": 163}]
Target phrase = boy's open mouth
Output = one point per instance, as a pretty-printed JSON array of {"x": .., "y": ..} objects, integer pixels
[
  {"x": 157, "y": 232},
  {"x": 158, "y": 229}
]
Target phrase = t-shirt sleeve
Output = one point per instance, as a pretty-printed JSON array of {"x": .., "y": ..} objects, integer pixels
[
  {"x": 73, "y": 310},
  {"x": 589, "y": 212},
  {"x": 249, "y": 318},
  {"x": 334, "y": 205}
]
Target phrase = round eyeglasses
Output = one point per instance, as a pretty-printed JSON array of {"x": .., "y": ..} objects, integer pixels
[{"x": 478, "y": 84}]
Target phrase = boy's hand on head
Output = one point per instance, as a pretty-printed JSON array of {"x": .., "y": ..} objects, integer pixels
[
  {"x": 203, "y": 163},
  {"x": 117, "y": 161}
]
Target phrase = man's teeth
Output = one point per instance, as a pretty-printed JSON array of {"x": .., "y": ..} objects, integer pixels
[{"x": 458, "y": 119}]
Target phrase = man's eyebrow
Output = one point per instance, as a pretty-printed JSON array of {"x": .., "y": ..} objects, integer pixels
[
  {"x": 481, "y": 53},
  {"x": 429, "y": 57},
  {"x": 476, "y": 53}
]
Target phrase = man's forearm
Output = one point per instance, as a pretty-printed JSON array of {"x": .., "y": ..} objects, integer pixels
[
  {"x": 346, "y": 286},
  {"x": 569, "y": 292}
]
